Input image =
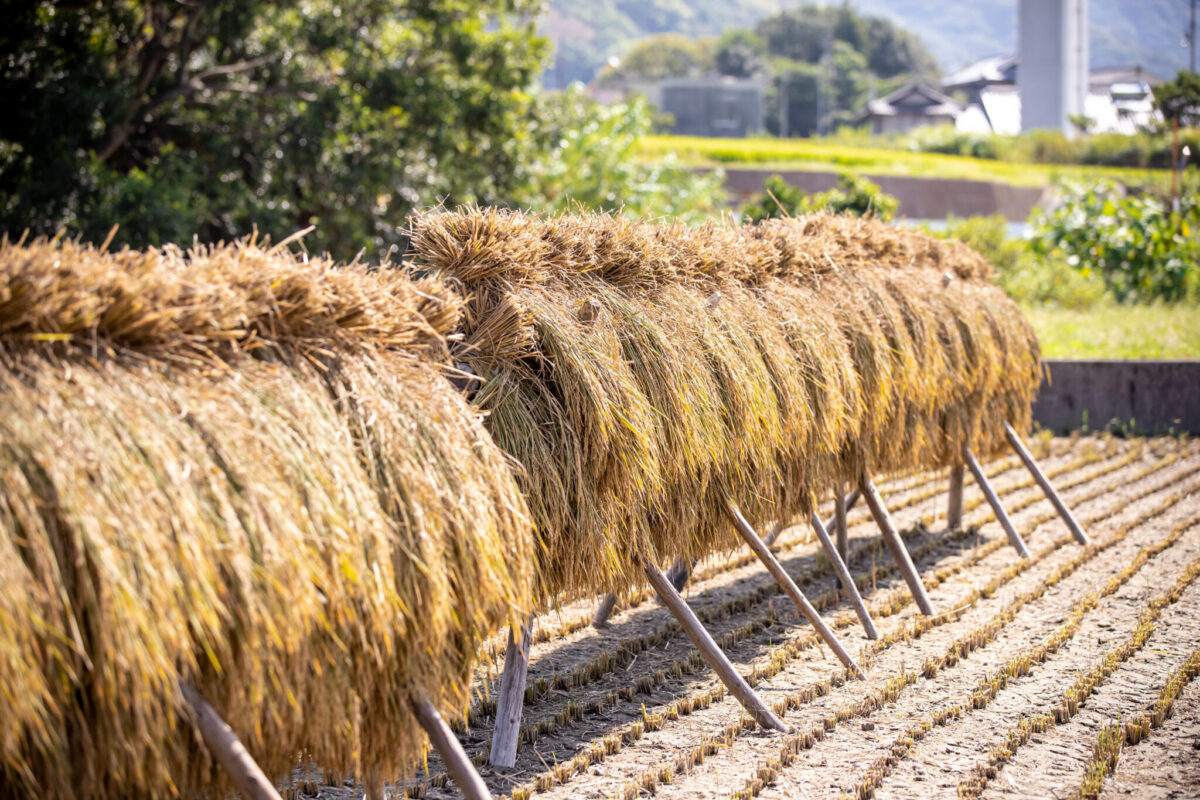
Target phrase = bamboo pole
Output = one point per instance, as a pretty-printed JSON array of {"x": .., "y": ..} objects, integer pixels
[
  {"x": 679, "y": 573},
  {"x": 847, "y": 579},
  {"x": 461, "y": 770},
  {"x": 604, "y": 611},
  {"x": 954, "y": 503},
  {"x": 511, "y": 701},
  {"x": 773, "y": 534},
  {"x": 842, "y": 505},
  {"x": 227, "y": 749},
  {"x": 896, "y": 545},
  {"x": 789, "y": 587},
  {"x": 993, "y": 499},
  {"x": 840, "y": 508},
  {"x": 708, "y": 649},
  {"x": 1044, "y": 482}
]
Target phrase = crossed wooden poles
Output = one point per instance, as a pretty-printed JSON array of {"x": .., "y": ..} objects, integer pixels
[
  {"x": 506, "y": 732},
  {"x": 252, "y": 784}
]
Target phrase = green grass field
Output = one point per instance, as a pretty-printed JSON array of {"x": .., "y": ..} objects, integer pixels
[
  {"x": 824, "y": 156},
  {"x": 1112, "y": 331}
]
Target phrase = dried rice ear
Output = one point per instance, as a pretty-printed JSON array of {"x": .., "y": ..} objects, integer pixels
[
  {"x": 245, "y": 473},
  {"x": 659, "y": 369}
]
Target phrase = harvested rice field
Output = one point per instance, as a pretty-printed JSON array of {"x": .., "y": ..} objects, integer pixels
[{"x": 1046, "y": 677}]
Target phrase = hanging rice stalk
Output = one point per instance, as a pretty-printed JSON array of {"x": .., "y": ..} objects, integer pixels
[
  {"x": 245, "y": 472},
  {"x": 641, "y": 373}
]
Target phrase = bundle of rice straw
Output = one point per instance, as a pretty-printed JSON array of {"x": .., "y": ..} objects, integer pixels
[
  {"x": 640, "y": 373},
  {"x": 246, "y": 472}
]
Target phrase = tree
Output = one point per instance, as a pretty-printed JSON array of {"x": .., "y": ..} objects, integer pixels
[
  {"x": 1179, "y": 103},
  {"x": 207, "y": 118},
  {"x": 588, "y": 160},
  {"x": 852, "y": 49},
  {"x": 669, "y": 55},
  {"x": 807, "y": 34},
  {"x": 892, "y": 51},
  {"x": 1179, "y": 100},
  {"x": 740, "y": 54}
]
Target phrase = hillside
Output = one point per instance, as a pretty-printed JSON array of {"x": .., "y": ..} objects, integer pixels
[{"x": 587, "y": 32}]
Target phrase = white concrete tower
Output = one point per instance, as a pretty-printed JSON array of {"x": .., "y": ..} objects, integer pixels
[{"x": 1053, "y": 72}]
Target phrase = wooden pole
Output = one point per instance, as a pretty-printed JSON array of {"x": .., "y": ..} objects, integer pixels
[
  {"x": 993, "y": 499},
  {"x": 607, "y": 604},
  {"x": 954, "y": 505},
  {"x": 227, "y": 749},
  {"x": 461, "y": 770},
  {"x": 511, "y": 700},
  {"x": 847, "y": 579},
  {"x": 789, "y": 587},
  {"x": 842, "y": 505},
  {"x": 773, "y": 534},
  {"x": 1044, "y": 482},
  {"x": 708, "y": 649},
  {"x": 679, "y": 573},
  {"x": 840, "y": 510},
  {"x": 896, "y": 545}
]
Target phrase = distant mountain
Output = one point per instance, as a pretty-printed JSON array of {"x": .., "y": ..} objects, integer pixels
[{"x": 1123, "y": 32}]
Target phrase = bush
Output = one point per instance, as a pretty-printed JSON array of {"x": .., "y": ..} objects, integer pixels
[
  {"x": 1027, "y": 276},
  {"x": 585, "y": 161},
  {"x": 854, "y": 195},
  {"x": 1140, "y": 249}
]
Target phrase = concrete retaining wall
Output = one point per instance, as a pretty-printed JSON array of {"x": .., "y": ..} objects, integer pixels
[
  {"x": 1155, "y": 396},
  {"x": 920, "y": 198}
]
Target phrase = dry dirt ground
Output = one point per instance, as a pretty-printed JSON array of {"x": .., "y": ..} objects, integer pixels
[{"x": 1003, "y": 693}]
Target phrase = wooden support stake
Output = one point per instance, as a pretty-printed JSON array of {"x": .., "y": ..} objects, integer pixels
[
  {"x": 839, "y": 520},
  {"x": 841, "y": 507},
  {"x": 461, "y": 770},
  {"x": 607, "y": 604},
  {"x": 720, "y": 664},
  {"x": 847, "y": 579},
  {"x": 223, "y": 744},
  {"x": 773, "y": 534},
  {"x": 993, "y": 499},
  {"x": 789, "y": 587},
  {"x": 511, "y": 700},
  {"x": 954, "y": 504},
  {"x": 1044, "y": 482},
  {"x": 896, "y": 545},
  {"x": 679, "y": 573}
]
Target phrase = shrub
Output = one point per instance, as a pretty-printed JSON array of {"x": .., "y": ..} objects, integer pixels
[
  {"x": 854, "y": 194},
  {"x": 1140, "y": 249},
  {"x": 1027, "y": 276}
]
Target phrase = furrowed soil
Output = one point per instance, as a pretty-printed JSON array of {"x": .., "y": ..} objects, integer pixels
[{"x": 1009, "y": 690}]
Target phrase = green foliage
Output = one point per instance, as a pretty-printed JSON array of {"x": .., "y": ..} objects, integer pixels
[
  {"x": 1147, "y": 149},
  {"x": 808, "y": 34},
  {"x": 1027, "y": 276},
  {"x": 877, "y": 156},
  {"x": 827, "y": 57},
  {"x": 1141, "y": 249},
  {"x": 1108, "y": 330},
  {"x": 740, "y": 54},
  {"x": 1179, "y": 100},
  {"x": 854, "y": 195},
  {"x": 209, "y": 118},
  {"x": 587, "y": 162},
  {"x": 669, "y": 55}
]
